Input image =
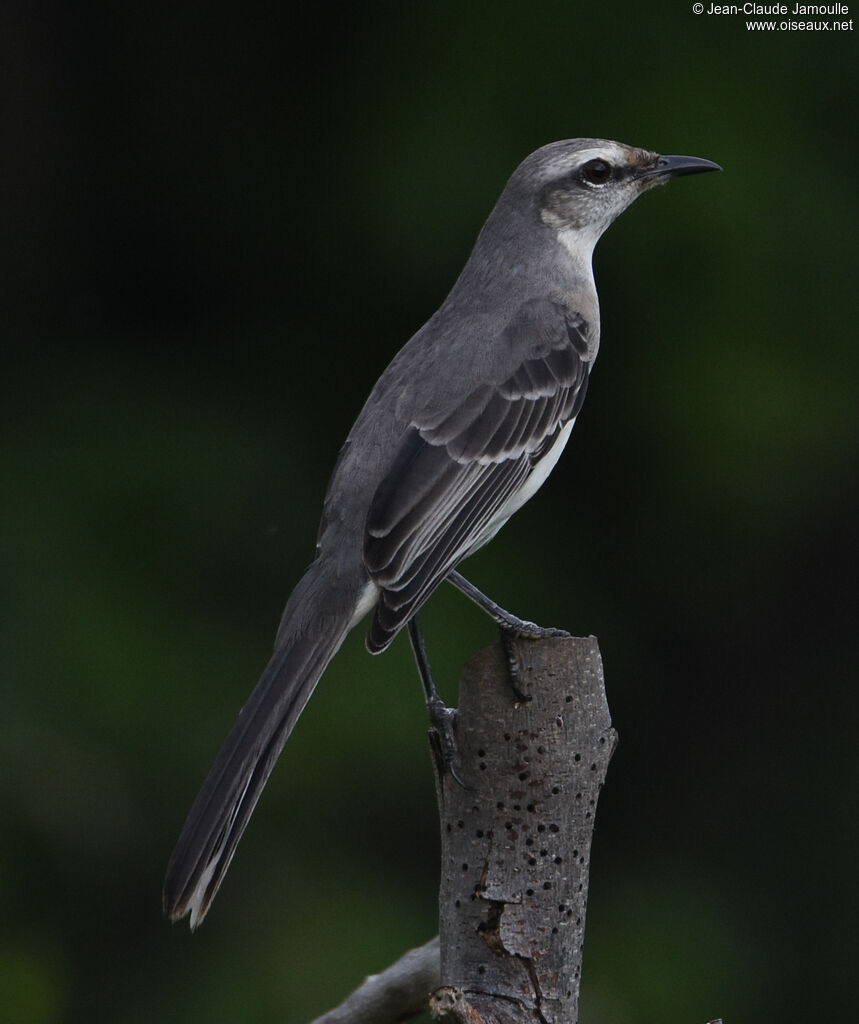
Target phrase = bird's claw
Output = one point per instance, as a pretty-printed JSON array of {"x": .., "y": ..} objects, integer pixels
[
  {"x": 442, "y": 719},
  {"x": 531, "y": 631},
  {"x": 508, "y": 642}
]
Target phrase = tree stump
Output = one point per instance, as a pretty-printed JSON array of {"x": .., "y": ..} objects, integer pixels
[{"x": 516, "y": 838}]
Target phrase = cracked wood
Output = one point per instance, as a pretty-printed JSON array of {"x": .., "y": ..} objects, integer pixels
[{"x": 516, "y": 843}]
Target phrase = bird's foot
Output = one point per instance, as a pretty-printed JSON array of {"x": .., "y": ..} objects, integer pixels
[
  {"x": 510, "y": 633},
  {"x": 442, "y": 719},
  {"x": 507, "y": 621},
  {"x": 511, "y": 655},
  {"x": 530, "y": 630}
]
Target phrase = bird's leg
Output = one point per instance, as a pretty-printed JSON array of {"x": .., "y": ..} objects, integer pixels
[
  {"x": 508, "y": 622},
  {"x": 511, "y": 627},
  {"x": 440, "y": 715}
]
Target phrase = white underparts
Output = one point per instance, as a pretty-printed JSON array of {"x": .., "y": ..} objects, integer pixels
[
  {"x": 529, "y": 488},
  {"x": 539, "y": 474}
]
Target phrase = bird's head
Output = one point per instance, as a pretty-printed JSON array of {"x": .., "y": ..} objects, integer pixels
[{"x": 581, "y": 185}]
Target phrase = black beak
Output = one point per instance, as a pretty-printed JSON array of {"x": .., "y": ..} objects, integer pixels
[{"x": 673, "y": 166}]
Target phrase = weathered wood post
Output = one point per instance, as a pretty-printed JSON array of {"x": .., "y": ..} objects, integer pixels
[{"x": 516, "y": 843}]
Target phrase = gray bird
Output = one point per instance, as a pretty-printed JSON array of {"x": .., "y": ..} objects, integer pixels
[{"x": 459, "y": 432}]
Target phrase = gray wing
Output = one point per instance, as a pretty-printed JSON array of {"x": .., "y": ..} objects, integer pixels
[{"x": 446, "y": 491}]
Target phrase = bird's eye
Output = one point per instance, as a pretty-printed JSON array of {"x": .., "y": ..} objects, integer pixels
[{"x": 596, "y": 172}]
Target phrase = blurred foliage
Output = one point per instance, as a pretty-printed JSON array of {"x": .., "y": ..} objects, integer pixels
[{"x": 219, "y": 225}]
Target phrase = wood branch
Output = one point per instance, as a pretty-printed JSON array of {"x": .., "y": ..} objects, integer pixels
[
  {"x": 516, "y": 843},
  {"x": 397, "y": 994}
]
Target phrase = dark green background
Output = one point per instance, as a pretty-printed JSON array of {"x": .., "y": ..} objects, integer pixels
[{"x": 219, "y": 222}]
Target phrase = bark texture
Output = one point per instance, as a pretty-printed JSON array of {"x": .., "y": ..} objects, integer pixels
[
  {"x": 516, "y": 843},
  {"x": 397, "y": 994}
]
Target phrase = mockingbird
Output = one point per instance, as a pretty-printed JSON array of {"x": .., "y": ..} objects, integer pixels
[{"x": 459, "y": 432}]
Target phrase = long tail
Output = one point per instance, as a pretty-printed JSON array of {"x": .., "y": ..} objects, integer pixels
[{"x": 317, "y": 618}]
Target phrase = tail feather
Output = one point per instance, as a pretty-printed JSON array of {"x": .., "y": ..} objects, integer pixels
[{"x": 219, "y": 815}]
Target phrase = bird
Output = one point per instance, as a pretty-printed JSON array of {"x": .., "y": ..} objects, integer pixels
[{"x": 461, "y": 429}]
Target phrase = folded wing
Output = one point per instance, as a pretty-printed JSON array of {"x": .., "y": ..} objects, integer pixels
[{"x": 458, "y": 477}]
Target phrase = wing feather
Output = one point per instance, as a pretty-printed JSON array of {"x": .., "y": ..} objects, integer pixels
[
  {"x": 423, "y": 576},
  {"x": 457, "y": 472}
]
